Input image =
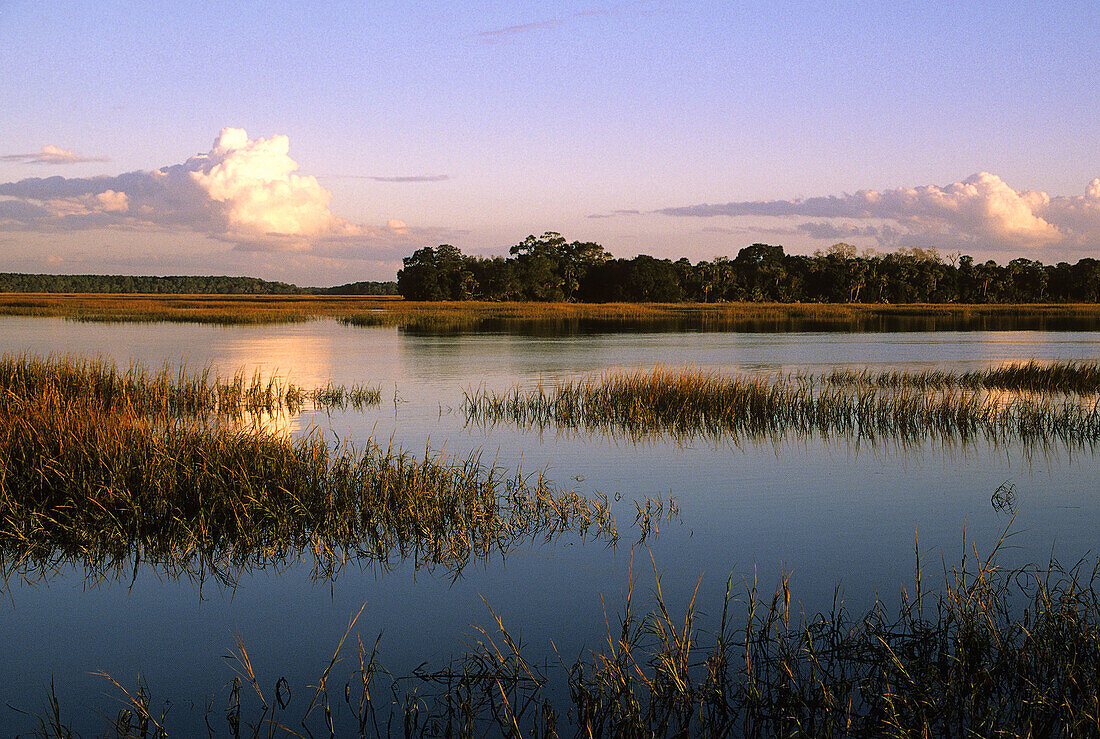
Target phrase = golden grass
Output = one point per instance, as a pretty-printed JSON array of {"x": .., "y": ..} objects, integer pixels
[
  {"x": 167, "y": 392},
  {"x": 214, "y": 309},
  {"x": 390, "y": 311},
  {"x": 689, "y": 402},
  {"x": 104, "y": 469},
  {"x": 1081, "y": 377},
  {"x": 720, "y": 316}
]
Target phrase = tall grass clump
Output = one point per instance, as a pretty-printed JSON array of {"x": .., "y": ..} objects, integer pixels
[
  {"x": 692, "y": 402},
  {"x": 1081, "y": 377},
  {"x": 104, "y": 489},
  {"x": 96, "y": 472},
  {"x": 168, "y": 392}
]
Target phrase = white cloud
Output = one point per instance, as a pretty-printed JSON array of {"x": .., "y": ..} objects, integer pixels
[
  {"x": 256, "y": 182},
  {"x": 113, "y": 202},
  {"x": 981, "y": 209},
  {"x": 51, "y": 154},
  {"x": 243, "y": 190}
]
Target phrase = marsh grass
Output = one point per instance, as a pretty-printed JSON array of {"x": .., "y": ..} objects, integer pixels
[
  {"x": 106, "y": 469},
  {"x": 110, "y": 491},
  {"x": 553, "y": 317},
  {"x": 204, "y": 309},
  {"x": 166, "y": 392},
  {"x": 1054, "y": 377},
  {"x": 989, "y": 652},
  {"x": 689, "y": 402}
]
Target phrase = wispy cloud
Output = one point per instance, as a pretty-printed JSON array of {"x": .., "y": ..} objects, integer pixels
[
  {"x": 615, "y": 214},
  {"x": 414, "y": 178},
  {"x": 497, "y": 34},
  {"x": 748, "y": 230},
  {"x": 833, "y": 231},
  {"x": 244, "y": 191},
  {"x": 514, "y": 30},
  {"x": 399, "y": 178},
  {"x": 51, "y": 155}
]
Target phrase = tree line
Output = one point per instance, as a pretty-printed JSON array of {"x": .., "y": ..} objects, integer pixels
[
  {"x": 548, "y": 268},
  {"x": 12, "y": 282}
]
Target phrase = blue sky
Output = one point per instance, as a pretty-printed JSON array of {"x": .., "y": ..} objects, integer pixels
[{"x": 966, "y": 126}]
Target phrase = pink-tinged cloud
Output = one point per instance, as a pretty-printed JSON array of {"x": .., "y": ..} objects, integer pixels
[
  {"x": 402, "y": 179},
  {"x": 255, "y": 182},
  {"x": 243, "y": 191},
  {"x": 413, "y": 178},
  {"x": 51, "y": 154},
  {"x": 982, "y": 209}
]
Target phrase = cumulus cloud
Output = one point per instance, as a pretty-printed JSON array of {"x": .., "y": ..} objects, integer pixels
[
  {"x": 51, "y": 155},
  {"x": 980, "y": 209},
  {"x": 110, "y": 201},
  {"x": 262, "y": 196},
  {"x": 243, "y": 190}
]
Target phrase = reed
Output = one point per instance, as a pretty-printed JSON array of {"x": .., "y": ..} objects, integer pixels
[
  {"x": 475, "y": 315},
  {"x": 690, "y": 402},
  {"x": 110, "y": 490},
  {"x": 572, "y": 317},
  {"x": 103, "y": 468},
  {"x": 989, "y": 652},
  {"x": 168, "y": 392},
  {"x": 1082, "y": 377},
  {"x": 203, "y": 309}
]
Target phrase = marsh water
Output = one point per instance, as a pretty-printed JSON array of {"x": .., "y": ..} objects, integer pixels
[{"x": 832, "y": 513}]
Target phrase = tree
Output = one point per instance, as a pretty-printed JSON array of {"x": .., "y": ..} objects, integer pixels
[
  {"x": 760, "y": 270},
  {"x": 641, "y": 279},
  {"x": 550, "y": 269},
  {"x": 441, "y": 273}
]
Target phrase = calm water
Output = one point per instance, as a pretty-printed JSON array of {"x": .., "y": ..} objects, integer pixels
[{"x": 826, "y": 511}]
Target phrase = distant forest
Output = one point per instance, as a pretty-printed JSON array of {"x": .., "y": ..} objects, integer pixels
[
  {"x": 547, "y": 268},
  {"x": 11, "y": 282}
]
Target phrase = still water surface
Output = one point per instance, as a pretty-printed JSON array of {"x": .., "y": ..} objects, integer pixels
[{"x": 828, "y": 511}]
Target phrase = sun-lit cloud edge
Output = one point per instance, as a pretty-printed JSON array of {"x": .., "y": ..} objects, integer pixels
[
  {"x": 51, "y": 154},
  {"x": 980, "y": 210},
  {"x": 243, "y": 191}
]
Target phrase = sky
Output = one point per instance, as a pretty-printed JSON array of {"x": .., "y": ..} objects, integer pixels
[{"x": 319, "y": 143}]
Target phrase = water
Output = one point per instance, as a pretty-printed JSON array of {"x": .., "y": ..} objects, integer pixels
[{"x": 827, "y": 512}]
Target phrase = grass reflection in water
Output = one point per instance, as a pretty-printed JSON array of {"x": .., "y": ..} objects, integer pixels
[
  {"x": 906, "y": 406},
  {"x": 988, "y": 652},
  {"x": 105, "y": 469}
]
